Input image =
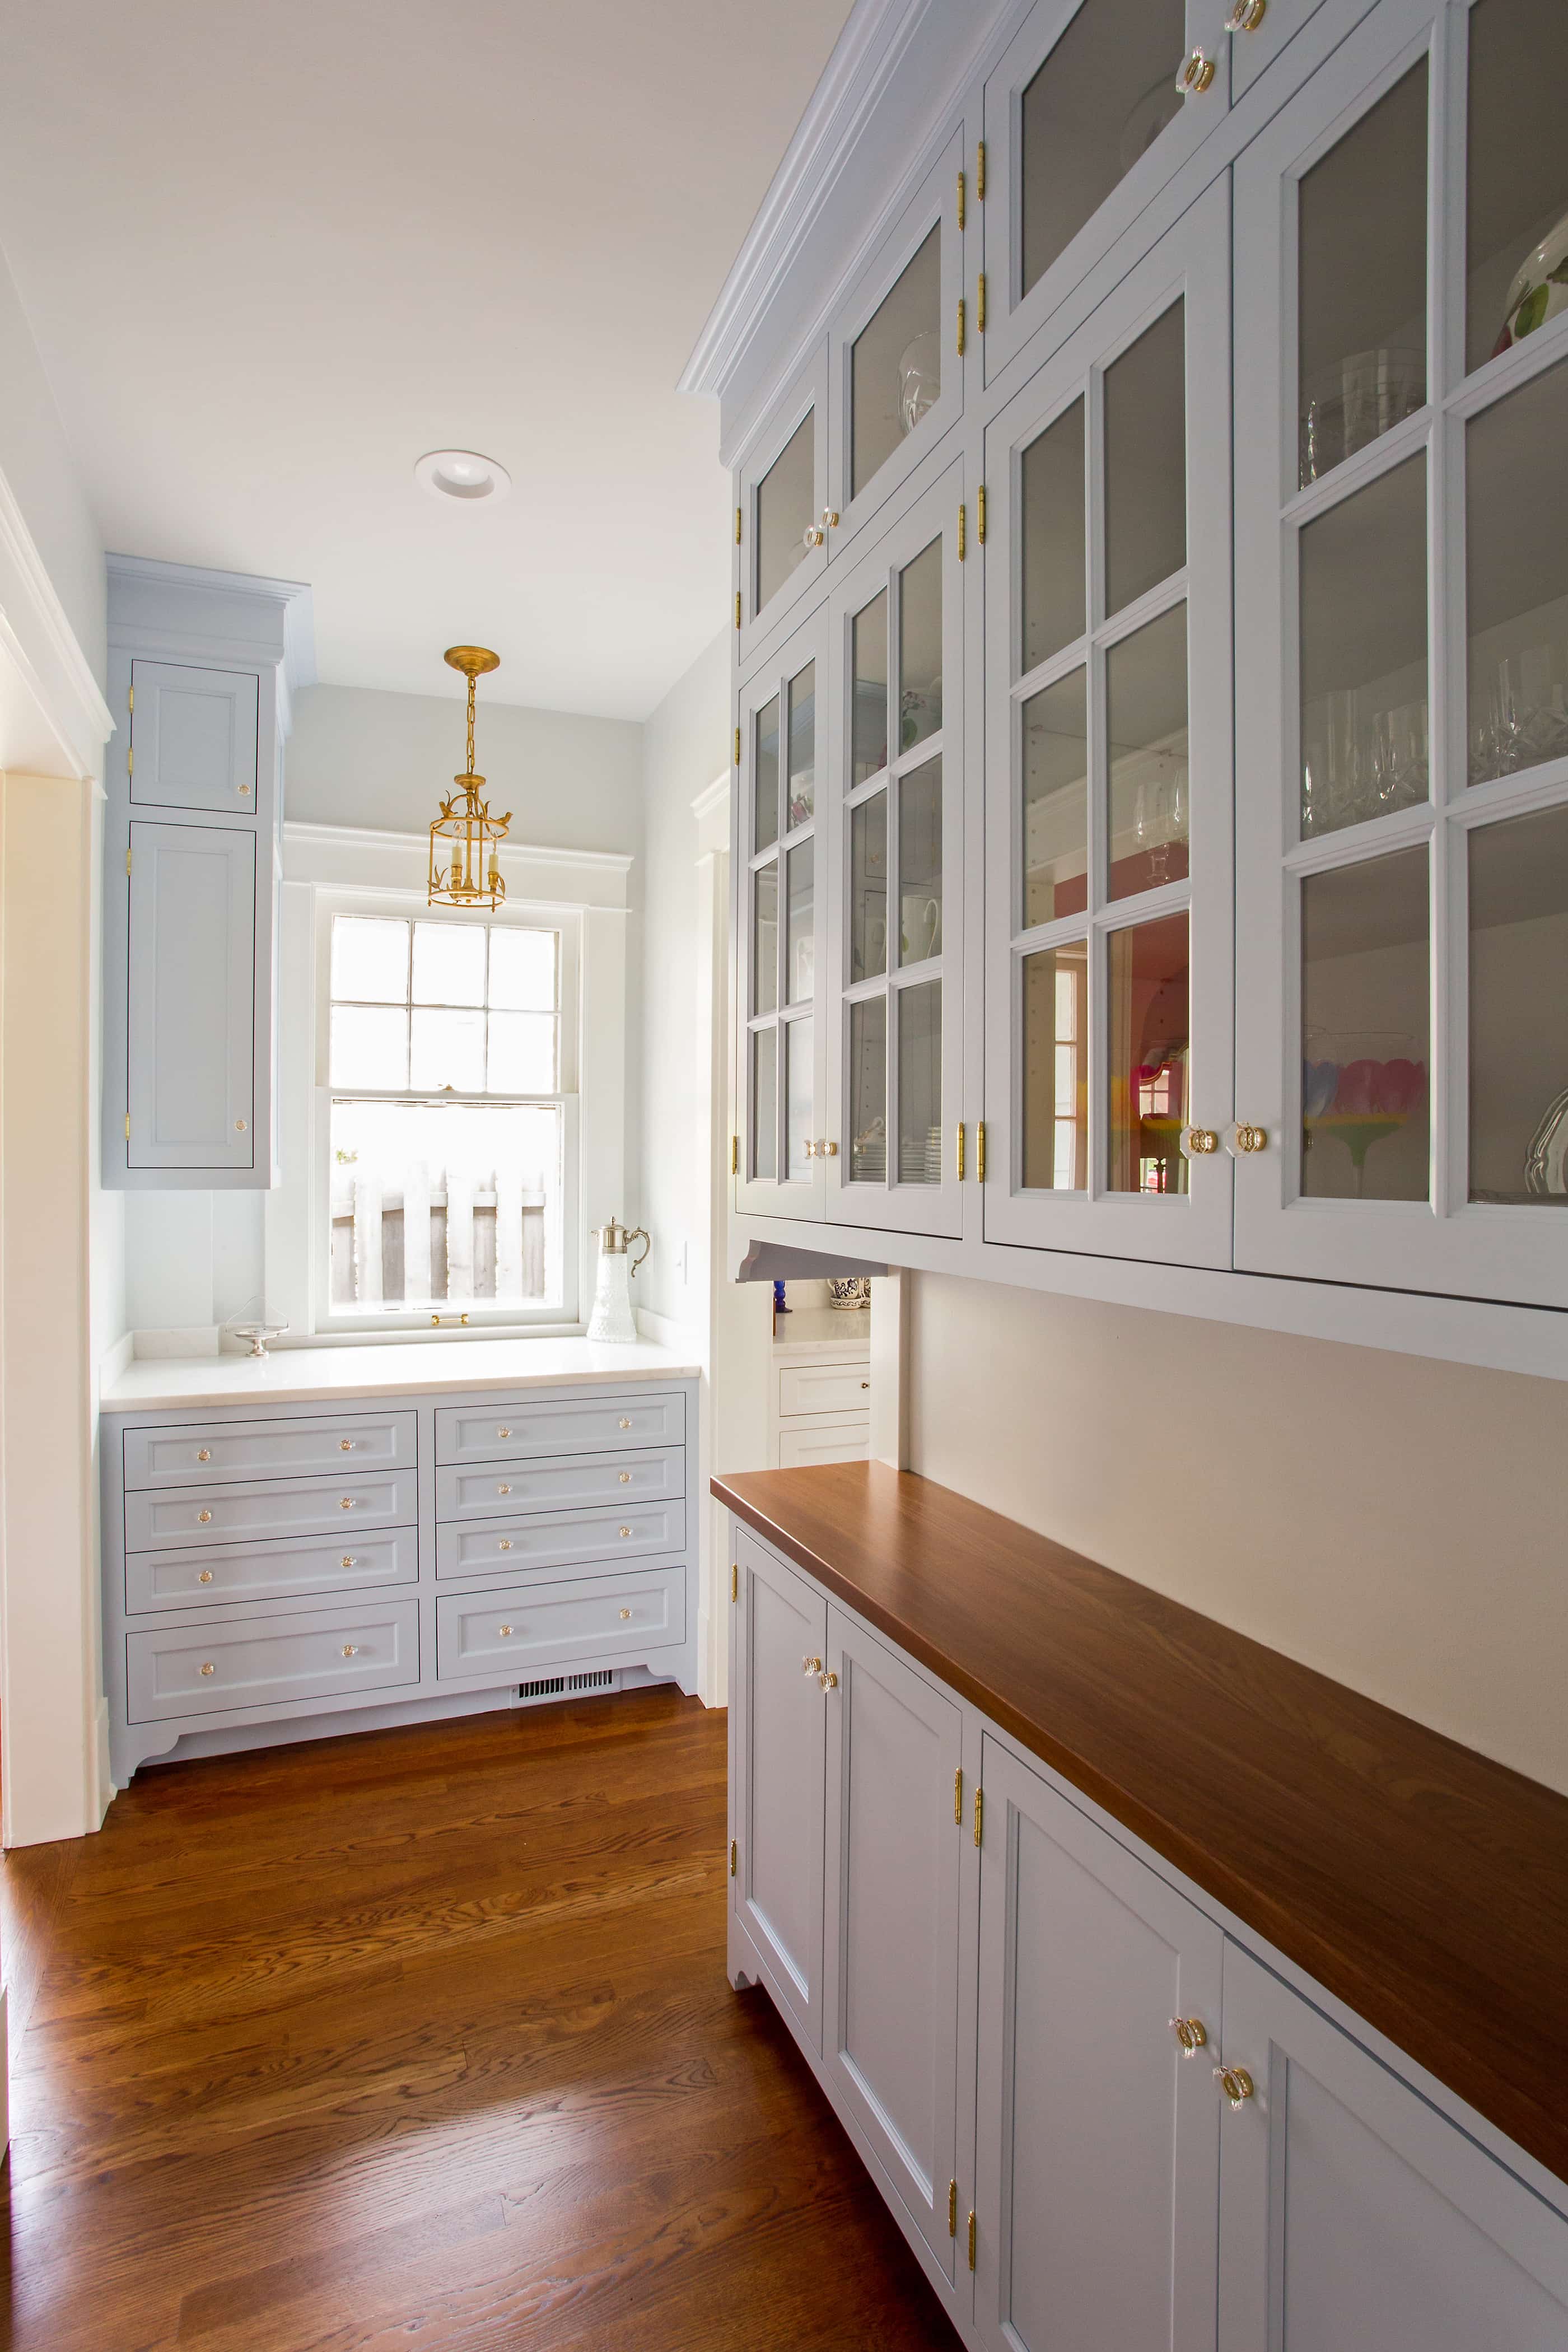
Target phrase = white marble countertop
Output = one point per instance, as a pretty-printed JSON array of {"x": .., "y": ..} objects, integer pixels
[
  {"x": 299, "y": 1375},
  {"x": 823, "y": 1329}
]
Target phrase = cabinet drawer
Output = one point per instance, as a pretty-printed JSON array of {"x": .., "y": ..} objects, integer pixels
[
  {"x": 505, "y": 1488},
  {"x": 520, "y": 1630},
  {"x": 263, "y": 1661},
  {"x": 561, "y": 1539},
  {"x": 267, "y": 1572},
  {"x": 842, "y": 1441},
  {"x": 199, "y": 1452},
  {"x": 824, "y": 1388},
  {"x": 504, "y": 1433},
  {"x": 276, "y": 1506}
]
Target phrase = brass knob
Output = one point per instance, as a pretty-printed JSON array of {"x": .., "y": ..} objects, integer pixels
[
  {"x": 350, "y": 1649},
  {"x": 205, "y": 1454},
  {"x": 814, "y": 534},
  {"x": 208, "y": 1669},
  {"x": 205, "y": 1577},
  {"x": 505, "y": 1544},
  {"x": 503, "y": 1433},
  {"x": 202, "y": 1517},
  {"x": 1247, "y": 15},
  {"x": 829, "y": 518},
  {"x": 625, "y": 1477},
  {"x": 625, "y": 1613},
  {"x": 345, "y": 1502},
  {"x": 1250, "y": 1138},
  {"x": 829, "y": 1681},
  {"x": 865, "y": 1384},
  {"x": 828, "y": 1151},
  {"x": 1199, "y": 1141},
  {"x": 1236, "y": 2084},
  {"x": 349, "y": 1561},
  {"x": 239, "y": 1126},
  {"x": 505, "y": 1633},
  {"x": 245, "y": 791},
  {"x": 1197, "y": 73},
  {"x": 626, "y": 1531},
  {"x": 811, "y": 1665},
  {"x": 810, "y": 1148},
  {"x": 503, "y": 1490},
  {"x": 345, "y": 1445},
  {"x": 626, "y": 1423},
  {"x": 1191, "y": 2033}
]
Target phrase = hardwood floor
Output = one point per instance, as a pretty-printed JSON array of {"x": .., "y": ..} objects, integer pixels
[{"x": 423, "y": 2039}]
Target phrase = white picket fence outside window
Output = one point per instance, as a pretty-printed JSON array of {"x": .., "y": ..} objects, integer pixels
[{"x": 438, "y": 1236}]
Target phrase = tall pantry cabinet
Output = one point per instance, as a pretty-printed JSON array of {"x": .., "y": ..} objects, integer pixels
[{"x": 1150, "y": 658}]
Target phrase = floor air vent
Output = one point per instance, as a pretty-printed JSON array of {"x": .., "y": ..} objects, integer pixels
[
  {"x": 602, "y": 1678},
  {"x": 548, "y": 1686},
  {"x": 556, "y": 1685}
]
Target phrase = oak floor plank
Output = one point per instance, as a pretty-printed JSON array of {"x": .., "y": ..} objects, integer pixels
[{"x": 422, "y": 2040}]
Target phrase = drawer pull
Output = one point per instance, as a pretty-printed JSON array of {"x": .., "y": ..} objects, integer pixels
[
  {"x": 626, "y": 1531},
  {"x": 205, "y": 1454},
  {"x": 345, "y": 1445},
  {"x": 625, "y": 1613},
  {"x": 503, "y": 1490},
  {"x": 209, "y": 1669},
  {"x": 865, "y": 1384},
  {"x": 350, "y": 1649},
  {"x": 625, "y": 1477},
  {"x": 625, "y": 1422},
  {"x": 205, "y": 1577},
  {"x": 505, "y": 1633},
  {"x": 503, "y": 1433},
  {"x": 505, "y": 1544},
  {"x": 346, "y": 1503},
  {"x": 349, "y": 1561},
  {"x": 202, "y": 1518}
]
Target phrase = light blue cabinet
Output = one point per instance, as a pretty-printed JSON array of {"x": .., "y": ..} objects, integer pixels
[{"x": 199, "y": 670}]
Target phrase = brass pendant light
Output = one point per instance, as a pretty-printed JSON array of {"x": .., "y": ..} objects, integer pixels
[{"x": 465, "y": 833}]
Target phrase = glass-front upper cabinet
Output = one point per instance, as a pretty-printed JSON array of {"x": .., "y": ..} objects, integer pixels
[
  {"x": 896, "y": 893},
  {"x": 1108, "y": 905},
  {"x": 780, "y": 927},
  {"x": 1401, "y": 588},
  {"x": 897, "y": 350},
  {"x": 1092, "y": 108},
  {"x": 780, "y": 512}
]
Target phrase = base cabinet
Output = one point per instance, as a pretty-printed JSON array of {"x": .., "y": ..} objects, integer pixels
[{"x": 1103, "y": 2124}]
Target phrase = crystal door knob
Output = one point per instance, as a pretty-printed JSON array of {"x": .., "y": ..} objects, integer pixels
[
  {"x": 625, "y": 1613},
  {"x": 503, "y": 1433},
  {"x": 1191, "y": 2033},
  {"x": 1236, "y": 2084},
  {"x": 505, "y": 1544},
  {"x": 202, "y": 1517},
  {"x": 811, "y": 1665},
  {"x": 1241, "y": 1140},
  {"x": 350, "y": 1649},
  {"x": 1197, "y": 73},
  {"x": 626, "y": 1423},
  {"x": 813, "y": 535},
  {"x": 828, "y": 1151},
  {"x": 625, "y": 1476},
  {"x": 349, "y": 1561},
  {"x": 205, "y": 1454},
  {"x": 209, "y": 1669},
  {"x": 1247, "y": 15},
  {"x": 205, "y": 1577},
  {"x": 505, "y": 1633},
  {"x": 1197, "y": 1142},
  {"x": 810, "y": 1148},
  {"x": 626, "y": 1531},
  {"x": 829, "y": 1681},
  {"x": 345, "y": 1502},
  {"x": 345, "y": 1445},
  {"x": 503, "y": 1490}
]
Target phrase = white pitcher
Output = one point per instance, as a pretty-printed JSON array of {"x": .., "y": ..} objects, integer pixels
[{"x": 611, "y": 1317}]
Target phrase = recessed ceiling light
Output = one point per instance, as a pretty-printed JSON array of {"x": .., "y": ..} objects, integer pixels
[{"x": 461, "y": 473}]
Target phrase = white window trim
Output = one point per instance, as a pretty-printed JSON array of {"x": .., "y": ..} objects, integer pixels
[{"x": 318, "y": 864}]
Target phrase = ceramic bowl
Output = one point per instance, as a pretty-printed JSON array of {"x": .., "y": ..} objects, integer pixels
[{"x": 1539, "y": 288}]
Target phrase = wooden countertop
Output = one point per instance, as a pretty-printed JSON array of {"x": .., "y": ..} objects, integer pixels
[{"x": 1424, "y": 1884}]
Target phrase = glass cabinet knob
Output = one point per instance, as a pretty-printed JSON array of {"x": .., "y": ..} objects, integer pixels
[
  {"x": 345, "y": 1445},
  {"x": 1240, "y": 1140},
  {"x": 350, "y": 1649},
  {"x": 625, "y": 1477},
  {"x": 1199, "y": 1142},
  {"x": 505, "y": 1633},
  {"x": 1236, "y": 2084},
  {"x": 345, "y": 1503},
  {"x": 505, "y": 1544},
  {"x": 205, "y": 1577},
  {"x": 1191, "y": 2033},
  {"x": 205, "y": 1454},
  {"x": 1247, "y": 15},
  {"x": 349, "y": 1561},
  {"x": 626, "y": 1531},
  {"x": 202, "y": 1517},
  {"x": 626, "y": 1423},
  {"x": 827, "y": 1151},
  {"x": 625, "y": 1613},
  {"x": 209, "y": 1668},
  {"x": 503, "y": 1433},
  {"x": 1197, "y": 73},
  {"x": 813, "y": 535},
  {"x": 503, "y": 1490}
]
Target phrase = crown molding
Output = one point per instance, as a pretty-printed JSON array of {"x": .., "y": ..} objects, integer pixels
[
  {"x": 363, "y": 857},
  {"x": 54, "y": 720},
  {"x": 715, "y": 796},
  {"x": 291, "y": 600}
]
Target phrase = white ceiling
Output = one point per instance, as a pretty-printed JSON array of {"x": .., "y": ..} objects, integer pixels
[{"x": 271, "y": 256}]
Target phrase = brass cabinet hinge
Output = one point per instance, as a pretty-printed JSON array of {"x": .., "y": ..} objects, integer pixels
[
  {"x": 961, "y": 195},
  {"x": 979, "y": 1151},
  {"x": 980, "y": 514},
  {"x": 737, "y": 747},
  {"x": 736, "y": 526},
  {"x": 130, "y": 759},
  {"x": 961, "y": 1151},
  {"x": 953, "y": 2209},
  {"x": 734, "y": 1579},
  {"x": 128, "y": 861},
  {"x": 963, "y": 531},
  {"x": 130, "y": 699},
  {"x": 972, "y": 2240},
  {"x": 961, "y": 326},
  {"x": 732, "y": 1857},
  {"x": 980, "y": 304},
  {"x": 979, "y": 1814},
  {"x": 128, "y": 1127},
  {"x": 734, "y": 1155},
  {"x": 980, "y": 170},
  {"x": 737, "y": 608},
  {"x": 957, "y": 1796}
]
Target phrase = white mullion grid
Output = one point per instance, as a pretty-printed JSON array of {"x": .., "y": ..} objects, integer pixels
[
  {"x": 895, "y": 860},
  {"x": 1447, "y": 752},
  {"x": 1097, "y": 988}
]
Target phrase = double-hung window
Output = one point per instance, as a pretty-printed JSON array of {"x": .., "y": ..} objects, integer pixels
[{"x": 446, "y": 1116}]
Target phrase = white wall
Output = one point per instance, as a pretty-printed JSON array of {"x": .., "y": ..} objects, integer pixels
[
  {"x": 37, "y": 462},
  {"x": 1396, "y": 1522}
]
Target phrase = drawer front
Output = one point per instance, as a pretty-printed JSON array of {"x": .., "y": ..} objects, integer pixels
[
  {"x": 267, "y": 1572},
  {"x": 843, "y": 1441},
  {"x": 197, "y": 1454},
  {"x": 505, "y": 1488},
  {"x": 506, "y": 1433},
  {"x": 570, "y": 1539},
  {"x": 264, "y": 1661},
  {"x": 535, "y": 1628},
  {"x": 824, "y": 1388},
  {"x": 159, "y": 1518}
]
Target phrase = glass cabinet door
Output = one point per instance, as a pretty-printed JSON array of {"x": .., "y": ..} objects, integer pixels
[
  {"x": 779, "y": 928},
  {"x": 896, "y": 902},
  {"x": 1108, "y": 957},
  {"x": 1402, "y": 309},
  {"x": 781, "y": 532},
  {"x": 897, "y": 351},
  {"x": 1093, "y": 106}
]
